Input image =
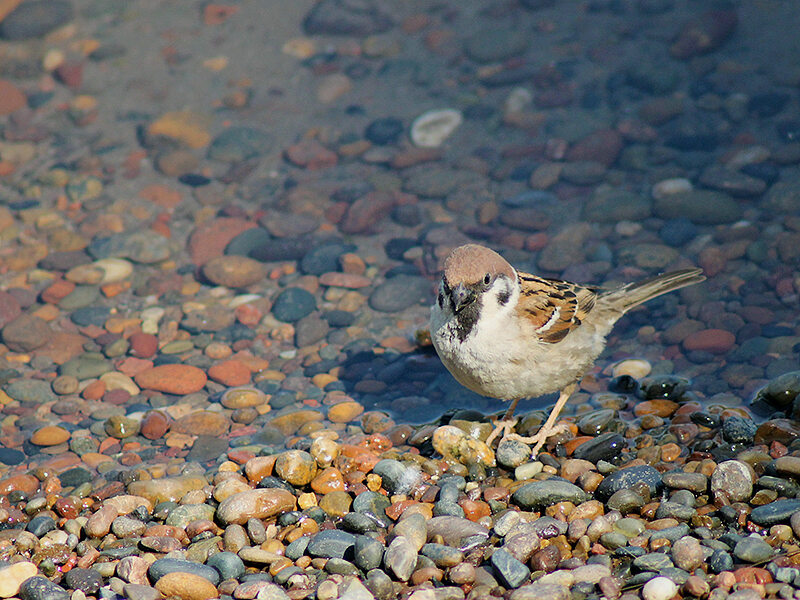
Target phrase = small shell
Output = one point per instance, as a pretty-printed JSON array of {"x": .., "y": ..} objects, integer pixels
[{"x": 433, "y": 127}]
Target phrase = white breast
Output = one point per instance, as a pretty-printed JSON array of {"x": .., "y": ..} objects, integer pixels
[{"x": 502, "y": 358}]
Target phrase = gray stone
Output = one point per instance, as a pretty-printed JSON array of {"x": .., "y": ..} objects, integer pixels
[{"x": 541, "y": 494}]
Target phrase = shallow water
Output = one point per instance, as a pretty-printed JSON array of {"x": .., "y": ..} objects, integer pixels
[{"x": 600, "y": 143}]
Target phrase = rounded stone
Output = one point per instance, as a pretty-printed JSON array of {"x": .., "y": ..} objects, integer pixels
[
  {"x": 35, "y": 18},
  {"x": 234, "y": 271},
  {"x": 121, "y": 427},
  {"x": 186, "y": 586},
  {"x": 292, "y": 304},
  {"x": 734, "y": 479},
  {"x": 172, "y": 379},
  {"x": 50, "y": 435},
  {"x": 659, "y": 588},
  {"x": 12, "y": 576},
  {"x": 255, "y": 504},
  {"x": 296, "y": 466},
  {"x": 26, "y": 333},
  {"x": 344, "y": 412}
]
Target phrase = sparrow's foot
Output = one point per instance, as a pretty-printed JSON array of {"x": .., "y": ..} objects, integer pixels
[
  {"x": 504, "y": 427},
  {"x": 540, "y": 438}
]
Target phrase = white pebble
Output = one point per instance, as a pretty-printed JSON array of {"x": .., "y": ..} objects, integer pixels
[
  {"x": 635, "y": 367},
  {"x": 114, "y": 269},
  {"x": 627, "y": 228},
  {"x": 659, "y": 588},
  {"x": 433, "y": 127},
  {"x": 669, "y": 187},
  {"x": 518, "y": 100}
]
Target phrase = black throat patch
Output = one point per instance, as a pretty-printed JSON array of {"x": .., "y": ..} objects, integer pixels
[{"x": 466, "y": 319}]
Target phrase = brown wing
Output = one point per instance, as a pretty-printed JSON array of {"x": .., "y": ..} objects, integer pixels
[{"x": 553, "y": 307}]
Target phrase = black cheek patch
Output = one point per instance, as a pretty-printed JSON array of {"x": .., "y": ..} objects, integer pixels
[{"x": 503, "y": 297}]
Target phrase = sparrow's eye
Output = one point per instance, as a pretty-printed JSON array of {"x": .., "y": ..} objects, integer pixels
[{"x": 487, "y": 279}]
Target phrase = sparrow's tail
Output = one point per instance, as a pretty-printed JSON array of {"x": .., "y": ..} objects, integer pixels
[{"x": 634, "y": 294}]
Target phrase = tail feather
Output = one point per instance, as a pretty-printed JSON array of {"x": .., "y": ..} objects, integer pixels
[{"x": 633, "y": 294}]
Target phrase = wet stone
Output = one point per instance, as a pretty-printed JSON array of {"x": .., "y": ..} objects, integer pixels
[
  {"x": 495, "y": 45},
  {"x": 737, "y": 429},
  {"x": 680, "y": 480},
  {"x": 541, "y": 494},
  {"x": 512, "y": 453},
  {"x": 39, "y": 588},
  {"x": 627, "y": 479},
  {"x": 26, "y": 333},
  {"x": 338, "y": 17},
  {"x": 776, "y": 512},
  {"x": 163, "y": 566},
  {"x": 367, "y": 553},
  {"x": 653, "y": 561},
  {"x": 511, "y": 572},
  {"x": 753, "y": 550},
  {"x": 293, "y": 304},
  {"x": 86, "y": 580},
  {"x": 400, "y": 558},
  {"x": 734, "y": 479},
  {"x": 332, "y": 543},
  {"x": 399, "y": 293},
  {"x": 35, "y": 18},
  {"x": 604, "y": 447},
  {"x": 237, "y": 144},
  {"x": 455, "y": 530},
  {"x": 32, "y": 391},
  {"x": 384, "y": 131}
]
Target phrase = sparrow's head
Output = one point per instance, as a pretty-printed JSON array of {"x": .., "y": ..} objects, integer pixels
[{"x": 473, "y": 273}]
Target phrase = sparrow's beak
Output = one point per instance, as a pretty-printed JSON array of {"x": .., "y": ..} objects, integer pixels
[{"x": 461, "y": 296}]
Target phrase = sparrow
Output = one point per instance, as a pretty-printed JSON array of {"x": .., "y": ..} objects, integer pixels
[{"x": 507, "y": 334}]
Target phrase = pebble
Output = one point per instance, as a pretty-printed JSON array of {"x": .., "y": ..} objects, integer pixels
[
  {"x": 293, "y": 304},
  {"x": 541, "y": 494},
  {"x": 254, "y": 504},
  {"x": 39, "y": 588},
  {"x": 399, "y": 293},
  {"x": 733, "y": 479},
  {"x": 12, "y": 576},
  {"x": 50, "y": 435},
  {"x": 172, "y": 379},
  {"x": 659, "y": 588},
  {"x": 234, "y": 271},
  {"x": 35, "y": 19},
  {"x": 753, "y": 550},
  {"x": 186, "y": 586}
]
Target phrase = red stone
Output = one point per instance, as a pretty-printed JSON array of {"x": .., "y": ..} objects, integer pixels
[
  {"x": 143, "y": 345},
  {"x": 716, "y": 341},
  {"x": 230, "y": 372},
  {"x": 310, "y": 154},
  {"x": 11, "y": 98},
  {"x": 154, "y": 425},
  {"x": 602, "y": 146},
  {"x": 209, "y": 239},
  {"x": 172, "y": 379}
]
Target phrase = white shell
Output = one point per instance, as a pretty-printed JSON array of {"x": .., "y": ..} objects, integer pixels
[{"x": 433, "y": 127}]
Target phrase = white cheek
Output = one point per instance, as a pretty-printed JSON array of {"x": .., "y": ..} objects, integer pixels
[{"x": 492, "y": 309}]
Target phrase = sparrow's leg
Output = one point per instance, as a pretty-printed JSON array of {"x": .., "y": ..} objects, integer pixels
[
  {"x": 548, "y": 428},
  {"x": 504, "y": 425}
]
